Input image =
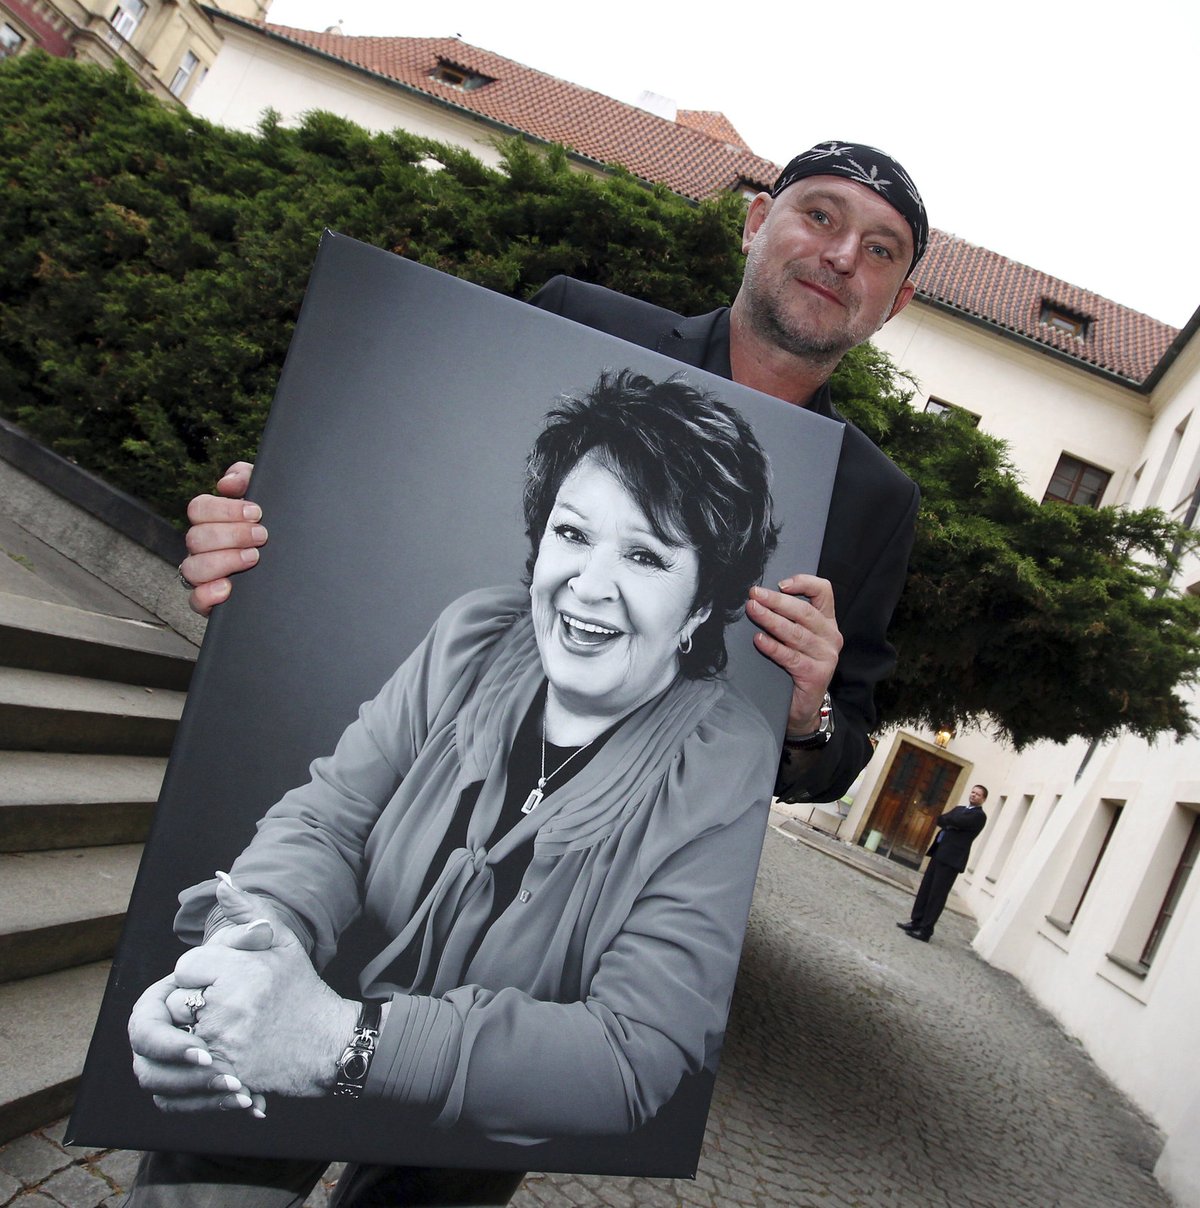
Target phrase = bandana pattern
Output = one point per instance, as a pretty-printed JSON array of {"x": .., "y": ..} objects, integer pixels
[{"x": 867, "y": 166}]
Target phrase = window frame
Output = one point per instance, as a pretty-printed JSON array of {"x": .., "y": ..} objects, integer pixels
[
  {"x": 127, "y": 16},
  {"x": 1082, "y": 468},
  {"x": 1188, "y": 858},
  {"x": 941, "y": 409},
  {"x": 10, "y": 49},
  {"x": 183, "y": 75}
]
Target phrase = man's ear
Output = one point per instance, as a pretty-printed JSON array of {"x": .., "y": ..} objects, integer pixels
[
  {"x": 756, "y": 213},
  {"x": 903, "y": 298}
]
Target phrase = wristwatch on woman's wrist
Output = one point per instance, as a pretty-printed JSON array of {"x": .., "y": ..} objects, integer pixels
[
  {"x": 820, "y": 736},
  {"x": 355, "y": 1060}
]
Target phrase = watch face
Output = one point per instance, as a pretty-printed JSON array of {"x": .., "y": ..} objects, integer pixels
[{"x": 354, "y": 1068}]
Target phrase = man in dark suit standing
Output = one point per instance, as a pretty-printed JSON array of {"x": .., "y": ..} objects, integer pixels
[{"x": 947, "y": 858}]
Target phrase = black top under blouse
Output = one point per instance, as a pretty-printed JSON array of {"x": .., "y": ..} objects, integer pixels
[{"x": 524, "y": 771}]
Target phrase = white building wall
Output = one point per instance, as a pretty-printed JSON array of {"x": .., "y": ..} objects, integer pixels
[
  {"x": 1139, "y": 1028},
  {"x": 1047, "y": 811},
  {"x": 254, "y": 73},
  {"x": 1040, "y": 406}
]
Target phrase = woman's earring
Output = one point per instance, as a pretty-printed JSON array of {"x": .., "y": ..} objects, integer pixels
[{"x": 685, "y": 644}]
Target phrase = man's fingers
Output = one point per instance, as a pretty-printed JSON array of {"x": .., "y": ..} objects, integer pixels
[
  {"x": 784, "y": 618},
  {"x": 817, "y": 591},
  {"x": 210, "y": 509},
  {"x": 224, "y": 535},
  {"x": 799, "y": 607},
  {"x": 235, "y": 482},
  {"x": 207, "y": 568},
  {"x": 207, "y": 596},
  {"x": 797, "y": 621}
]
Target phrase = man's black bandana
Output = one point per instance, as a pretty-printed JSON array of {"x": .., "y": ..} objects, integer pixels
[{"x": 868, "y": 166}]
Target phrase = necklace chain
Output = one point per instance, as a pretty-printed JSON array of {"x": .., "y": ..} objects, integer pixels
[{"x": 539, "y": 791}]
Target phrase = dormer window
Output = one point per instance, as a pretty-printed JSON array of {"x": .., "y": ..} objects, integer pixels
[
  {"x": 1067, "y": 321},
  {"x": 458, "y": 76}
]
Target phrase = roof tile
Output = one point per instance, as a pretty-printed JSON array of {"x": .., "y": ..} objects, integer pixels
[{"x": 1010, "y": 295}]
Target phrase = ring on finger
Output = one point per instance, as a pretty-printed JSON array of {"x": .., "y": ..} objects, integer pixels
[
  {"x": 194, "y": 1001},
  {"x": 183, "y": 579}
]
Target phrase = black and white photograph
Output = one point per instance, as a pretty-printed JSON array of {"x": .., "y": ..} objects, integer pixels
[{"x": 456, "y": 847}]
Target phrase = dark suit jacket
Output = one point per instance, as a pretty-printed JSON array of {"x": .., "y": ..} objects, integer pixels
[
  {"x": 868, "y": 536},
  {"x": 959, "y": 828}
]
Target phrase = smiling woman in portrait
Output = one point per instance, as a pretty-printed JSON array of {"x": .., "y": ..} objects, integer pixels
[{"x": 548, "y": 820}]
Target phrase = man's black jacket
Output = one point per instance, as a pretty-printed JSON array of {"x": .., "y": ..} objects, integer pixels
[{"x": 868, "y": 535}]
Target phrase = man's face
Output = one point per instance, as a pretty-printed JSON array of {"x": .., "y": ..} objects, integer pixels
[
  {"x": 977, "y": 795},
  {"x": 826, "y": 266}
]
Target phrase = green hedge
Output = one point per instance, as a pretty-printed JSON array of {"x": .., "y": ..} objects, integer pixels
[{"x": 154, "y": 264}]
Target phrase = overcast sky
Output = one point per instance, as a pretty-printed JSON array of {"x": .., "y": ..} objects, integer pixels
[{"x": 1061, "y": 135}]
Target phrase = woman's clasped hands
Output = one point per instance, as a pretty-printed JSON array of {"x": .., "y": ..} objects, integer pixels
[{"x": 242, "y": 1015}]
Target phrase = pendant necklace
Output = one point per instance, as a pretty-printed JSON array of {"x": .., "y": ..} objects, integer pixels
[{"x": 539, "y": 791}]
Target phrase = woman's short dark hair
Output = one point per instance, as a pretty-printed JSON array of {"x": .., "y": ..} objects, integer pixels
[{"x": 694, "y": 468}]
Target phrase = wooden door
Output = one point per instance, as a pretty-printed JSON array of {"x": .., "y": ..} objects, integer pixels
[{"x": 915, "y": 792}]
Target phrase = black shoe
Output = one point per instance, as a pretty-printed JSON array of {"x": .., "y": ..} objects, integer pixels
[
  {"x": 915, "y": 933},
  {"x": 909, "y": 926}
]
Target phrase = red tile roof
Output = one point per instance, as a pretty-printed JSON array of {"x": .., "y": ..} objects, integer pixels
[
  {"x": 687, "y": 160},
  {"x": 713, "y": 123},
  {"x": 701, "y": 154},
  {"x": 1006, "y": 294}
]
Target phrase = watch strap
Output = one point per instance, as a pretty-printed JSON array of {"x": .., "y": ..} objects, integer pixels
[{"x": 355, "y": 1060}]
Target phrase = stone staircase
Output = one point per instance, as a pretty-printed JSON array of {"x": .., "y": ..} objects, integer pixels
[{"x": 91, "y": 690}]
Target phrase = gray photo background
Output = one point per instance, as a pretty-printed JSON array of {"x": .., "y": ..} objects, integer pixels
[{"x": 390, "y": 477}]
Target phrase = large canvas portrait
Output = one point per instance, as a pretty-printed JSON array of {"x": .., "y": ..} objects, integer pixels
[{"x": 456, "y": 846}]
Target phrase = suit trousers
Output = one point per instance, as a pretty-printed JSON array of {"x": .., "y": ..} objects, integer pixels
[
  {"x": 931, "y": 897},
  {"x": 177, "y": 1180}
]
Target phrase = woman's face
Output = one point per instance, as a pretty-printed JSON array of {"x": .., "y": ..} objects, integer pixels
[{"x": 611, "y": 600}]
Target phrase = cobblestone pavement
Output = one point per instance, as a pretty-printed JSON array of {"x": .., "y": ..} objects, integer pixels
[{"x": 861, "y": 1069}]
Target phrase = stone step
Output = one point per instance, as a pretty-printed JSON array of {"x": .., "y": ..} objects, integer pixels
[
  {"x": 62, "y": 908},
  {"x": 45, "y": 1027},
  {"x": 43, "y": 635},
  {"x": 52, "y": 800},
  {"x": 43, "y": 711}
]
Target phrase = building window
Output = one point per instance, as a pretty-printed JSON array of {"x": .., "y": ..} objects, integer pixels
[
  {"x": 458, "y": 76},
  {"x": 1113, "y": 819},
  {"x": 1086, "y": 864},
  {"x": 1058, "y": 318},
  {"x": 126, "y": 17},
  {"x": 10, "y": 41},
  {"x": 1076, "y": 481},
  {"x": 1183, "y": 870},
  {"x": 1016, "y": 816},
  {"x": 184, "y": 73},
  {"x": 935, "y": 406}
]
